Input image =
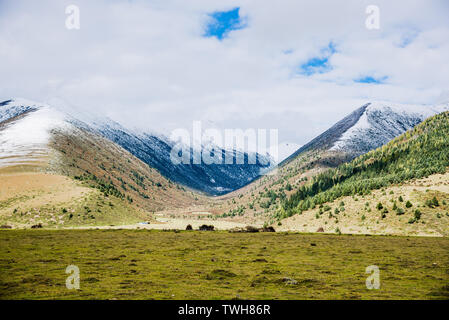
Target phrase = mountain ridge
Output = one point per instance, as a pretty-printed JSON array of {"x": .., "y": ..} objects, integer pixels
[
  {"x": 378, "y": 122},
  {"x": 214, "y": 179},
  {"x": 260, "y": 199},
  {"x": 414, "y": 167}
]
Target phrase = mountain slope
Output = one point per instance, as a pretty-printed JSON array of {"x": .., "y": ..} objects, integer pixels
[
  {"x": 212, "y": 179},
  {"x": 382, "y": 122},
  {"x": 80, "y": 177},
  {"x": 152, "y": 149},
  {"x": 368, "y": 127},
  {"x": 419, "y": 153},
  {"x": 25, "y": 132}
]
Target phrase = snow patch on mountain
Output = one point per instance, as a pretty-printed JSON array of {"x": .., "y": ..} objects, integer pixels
[
  {"x": 381, "y": 122},
  {"x": 12, "y": 108},
  {"x": 25, "y": 140}
]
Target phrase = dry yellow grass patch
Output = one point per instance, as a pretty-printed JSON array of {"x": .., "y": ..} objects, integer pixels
[
  {"x": 24, "y": 192},
  {"x": 50, "y": 188}
]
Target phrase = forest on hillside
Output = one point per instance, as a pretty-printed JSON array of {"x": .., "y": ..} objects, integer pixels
[{"x": 418, "y": 153}]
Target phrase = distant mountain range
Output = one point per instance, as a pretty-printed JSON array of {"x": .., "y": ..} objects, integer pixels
[
  {"x": 27, "y": 137},
  {"x": 26, "y": 128},
  {"x": 367, "y": 128},
  {"x": 80, "y": 169}
]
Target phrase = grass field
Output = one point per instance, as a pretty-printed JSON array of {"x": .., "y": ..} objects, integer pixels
[{"x": 143, "y": 264}]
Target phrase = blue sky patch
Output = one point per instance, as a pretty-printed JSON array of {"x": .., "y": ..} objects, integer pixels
[
  {"x": 408, "y": 37},
  {"x": 222, "y": 22},
  {"x": 320, "y": 63},
  {"x": 370, "y": 79},
  {"x": 315, "y": 65}
]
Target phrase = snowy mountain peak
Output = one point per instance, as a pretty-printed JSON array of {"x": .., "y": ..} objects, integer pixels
[
  {"x": 381, "y": 122},
  {"x": 27, "y": 126},
  {"x": 26, "y": 130},
  {"x": 369, "y": 127},
  {"x": 15, "y": 107}
]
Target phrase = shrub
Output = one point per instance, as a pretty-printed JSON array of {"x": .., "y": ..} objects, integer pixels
[
  {"x": 379, "y": 206},
  {"x": 408, "y": 204},
  {"x": 417, "y": 214},
  {"x": 435, "y": 202},
  {"x": 432, "y": 203}
]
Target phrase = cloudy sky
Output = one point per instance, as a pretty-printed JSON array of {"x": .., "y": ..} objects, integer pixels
[{"x": 298, "y": 66}]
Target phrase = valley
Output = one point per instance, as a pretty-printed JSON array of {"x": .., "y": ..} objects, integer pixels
[
  {"x": 93, "y": 195},
  {"x": 87, "y": 174}
]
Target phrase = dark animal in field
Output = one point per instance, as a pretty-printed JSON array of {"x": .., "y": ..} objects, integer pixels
[
  {"x": 205, "y": 227},
  {"x": 320, "y": 229},
  {"x": 189, "y": 227},
  {"x": 251, "y": 229},
  {"x": 36, "y": 226}
]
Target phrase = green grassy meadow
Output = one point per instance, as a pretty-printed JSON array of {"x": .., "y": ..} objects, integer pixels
[{"x": 143, "y": 264}]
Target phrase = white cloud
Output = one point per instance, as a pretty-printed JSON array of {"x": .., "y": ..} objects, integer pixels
[{"x": 146, "y": 63}]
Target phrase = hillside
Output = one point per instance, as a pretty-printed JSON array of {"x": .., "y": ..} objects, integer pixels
[
  {"x": 151, "y": 148},
  {"x": 419, "y": 153},
  {"x": 212, "y": 179},
  {"x": 367, "y": 128},
  {"x": 57, "y": 174},
  {"x": 89, "y": 171}
]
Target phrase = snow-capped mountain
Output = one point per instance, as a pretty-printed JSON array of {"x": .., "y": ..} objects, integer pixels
[
  {"x": 155, "y": 150},
  {"x": 371, "y": 126},
  {"x": 381, "y": 122},
  {"x": 26, "y": 127}
]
